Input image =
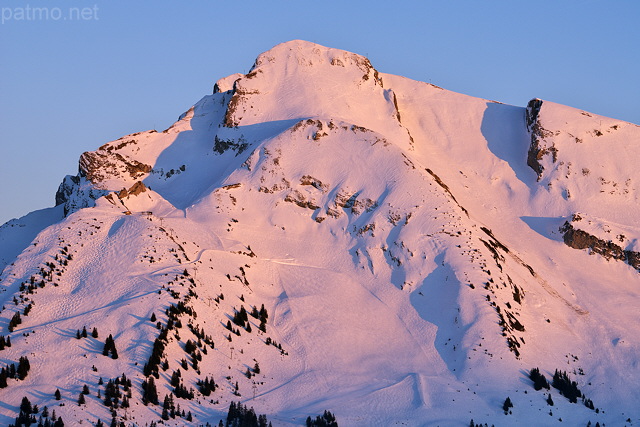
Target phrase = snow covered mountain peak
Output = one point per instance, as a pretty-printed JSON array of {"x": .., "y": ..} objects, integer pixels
[{"x": 318, "y": 235}]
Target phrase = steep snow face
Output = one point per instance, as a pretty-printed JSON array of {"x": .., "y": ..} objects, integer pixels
[{"x": 410, "y": 260}]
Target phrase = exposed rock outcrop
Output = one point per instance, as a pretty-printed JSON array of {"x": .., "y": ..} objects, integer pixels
[
  {"x": 580, "y": 239},
  {"x": 75, "y": 193},
  {"x": 99, "y": 165}
]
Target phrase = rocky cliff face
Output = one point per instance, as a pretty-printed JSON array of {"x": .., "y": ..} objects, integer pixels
[{"x": 539, "y": 148}]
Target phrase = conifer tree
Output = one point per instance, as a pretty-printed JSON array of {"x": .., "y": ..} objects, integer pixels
[
  {"x": 57, "y": 394},
  {"x": 84, "y": 332},
  {"x": 25, "y": 406},
  {"x": 507, "y": 404},
  {"x": 81, "y": 400},
  {"x": 3, "y": 378},
  {"x": 110, "y": 347},
  {"x": 94, "y": 333}
]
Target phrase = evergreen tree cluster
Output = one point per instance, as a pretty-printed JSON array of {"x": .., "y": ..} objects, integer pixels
[
  {"x": 82, "y": 334},
  {"x": 155, "y": 360},
  {"x": 567, "y": 388},
  {"x": 232, "y": 329},
  {"x": 182, "y": 392},
  {"x": 170, "y": 410},
  {"x": 327, "y": 419},
  {"x": 27, "y": 416},
  {"x": 149, "y": 391},
  {"x": 199, "y": 333},
  {"x": 191, "y": 348},
  {"x": 113, "y": 397},
  {"x": 5, "y": 342},
  {"x": 269, "y": 341},
  {"x": 472, "y": 424},
  {"x": 46, "y": 275},
  {"x": 539, "y": 380},
  {"x": 241, "y": 317},
  {"x": 252, "y": 372},
  {"x": 15, "y": 321},
  {"x": 23, "y": 368},
  {"x": 178, "y": 309},
  {"x": 157, "y": 353},
  {"x": 110, "y": 347},
  {"x": 207, "y": 386},
  {"x": 242, "y": 416},
  {"x": 10, "y": 371},
  {"x": 588, "y": 403},
  {"x": 176, "y": 377}
]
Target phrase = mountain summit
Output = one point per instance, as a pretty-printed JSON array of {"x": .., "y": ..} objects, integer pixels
[{"x": 319, "y": 236}]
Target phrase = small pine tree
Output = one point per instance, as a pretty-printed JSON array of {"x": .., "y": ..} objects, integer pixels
[
  {"x": 81, "y": 400},
  {"x": 153, "y": 317},
  {"x": 78, "y": 336},
  {"x": 57, "y": 394},
  {"x": 94, "y": 333},
  {"x": 84, "y": 332},
  {"x": 506, "y": 405},
  {"x": 549, "y": 400},
  {"x": 85, "y": 389},
  {"x": 25, "y": 406}
]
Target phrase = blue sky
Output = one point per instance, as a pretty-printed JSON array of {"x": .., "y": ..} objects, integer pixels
[{"x": 70, "y": 85}]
